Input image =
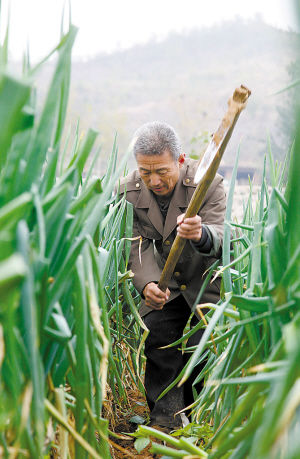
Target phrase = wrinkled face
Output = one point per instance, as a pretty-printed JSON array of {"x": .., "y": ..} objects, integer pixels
[{"x": 160, "y": 173}]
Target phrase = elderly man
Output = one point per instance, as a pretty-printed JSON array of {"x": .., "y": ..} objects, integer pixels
[{"x": 160, "y": 190}]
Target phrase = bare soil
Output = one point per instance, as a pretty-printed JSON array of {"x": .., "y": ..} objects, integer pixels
[{"x": 122, "y": 448}]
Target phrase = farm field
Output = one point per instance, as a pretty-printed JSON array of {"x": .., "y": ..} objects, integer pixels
[{"x": 71, "y": 337}]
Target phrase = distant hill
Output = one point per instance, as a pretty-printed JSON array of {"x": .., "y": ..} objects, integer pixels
[{"x": 186, "y": 80}]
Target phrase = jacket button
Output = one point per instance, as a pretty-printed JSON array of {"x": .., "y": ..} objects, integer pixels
[
  {"x": 187, "y": 180},
  {"x": 167, "y": 242},
  {"x": 137, "y": 185},
  {"x": 183, "y": 287},
  {"x": 177, "y": 274}
]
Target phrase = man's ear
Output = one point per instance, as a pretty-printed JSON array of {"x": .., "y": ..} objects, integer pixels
[{"x": 181, "y": 159}]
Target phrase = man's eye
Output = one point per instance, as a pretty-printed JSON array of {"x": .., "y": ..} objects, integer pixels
[{"x": 163, "y": 172}]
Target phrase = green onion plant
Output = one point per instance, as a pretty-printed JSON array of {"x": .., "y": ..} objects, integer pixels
[{"x": 69, "y": 335}]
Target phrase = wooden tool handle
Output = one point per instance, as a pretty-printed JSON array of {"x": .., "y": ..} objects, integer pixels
[{"x": 208, "y": 168}]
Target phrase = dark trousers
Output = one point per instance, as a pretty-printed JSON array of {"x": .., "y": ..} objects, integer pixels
[{"x": 163, "y": 365}]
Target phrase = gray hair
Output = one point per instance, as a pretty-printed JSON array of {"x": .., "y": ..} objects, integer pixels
[{"x": 155, "y": 138}]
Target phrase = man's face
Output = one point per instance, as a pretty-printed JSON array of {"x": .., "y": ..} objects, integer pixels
[{"x": 160, "y": 173}]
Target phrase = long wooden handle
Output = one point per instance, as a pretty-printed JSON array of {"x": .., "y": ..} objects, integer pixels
[{"x": 208, "y": 168}]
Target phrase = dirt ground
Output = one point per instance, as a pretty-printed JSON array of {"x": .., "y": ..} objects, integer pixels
[{"x": 120, "y": 424}]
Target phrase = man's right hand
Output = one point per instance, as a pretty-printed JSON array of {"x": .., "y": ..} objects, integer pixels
[{"x": 154, "y": 297}]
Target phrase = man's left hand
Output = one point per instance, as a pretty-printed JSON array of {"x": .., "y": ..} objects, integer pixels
[{"x": 189, "y": 228}]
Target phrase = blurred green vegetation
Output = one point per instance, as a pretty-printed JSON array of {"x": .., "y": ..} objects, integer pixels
[{"x": 70, "y": 334}]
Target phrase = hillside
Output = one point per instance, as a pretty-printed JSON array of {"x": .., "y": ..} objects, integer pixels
[{"x": 186, "y": 80}]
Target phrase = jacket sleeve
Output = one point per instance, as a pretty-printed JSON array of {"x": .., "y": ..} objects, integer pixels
[{"x": 142, "y": 260}]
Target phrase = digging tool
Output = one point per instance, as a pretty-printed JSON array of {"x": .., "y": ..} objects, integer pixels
[{"x": 205, "y": 174}]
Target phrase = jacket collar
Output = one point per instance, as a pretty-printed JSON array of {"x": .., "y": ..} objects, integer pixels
[{"x": 178, "y": 204}]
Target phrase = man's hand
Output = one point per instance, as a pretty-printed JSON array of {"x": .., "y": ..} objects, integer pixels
[
  {"x": 154, "y": 297},
  {"x": 189, "y": 228}
]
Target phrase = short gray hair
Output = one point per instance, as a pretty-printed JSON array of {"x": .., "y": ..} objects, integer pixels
[{"x": 155, "y": 138}]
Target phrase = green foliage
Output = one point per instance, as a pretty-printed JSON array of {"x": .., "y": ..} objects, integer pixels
[
  {"x": 69, "y": 338},
  {"x": 180, "y": 447},
  {"x": 141, "y": 443},
  {"x": 243, "y": 392}
]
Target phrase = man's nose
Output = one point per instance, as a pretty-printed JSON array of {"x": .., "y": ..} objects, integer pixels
[{"x": 154, "y": 179}]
